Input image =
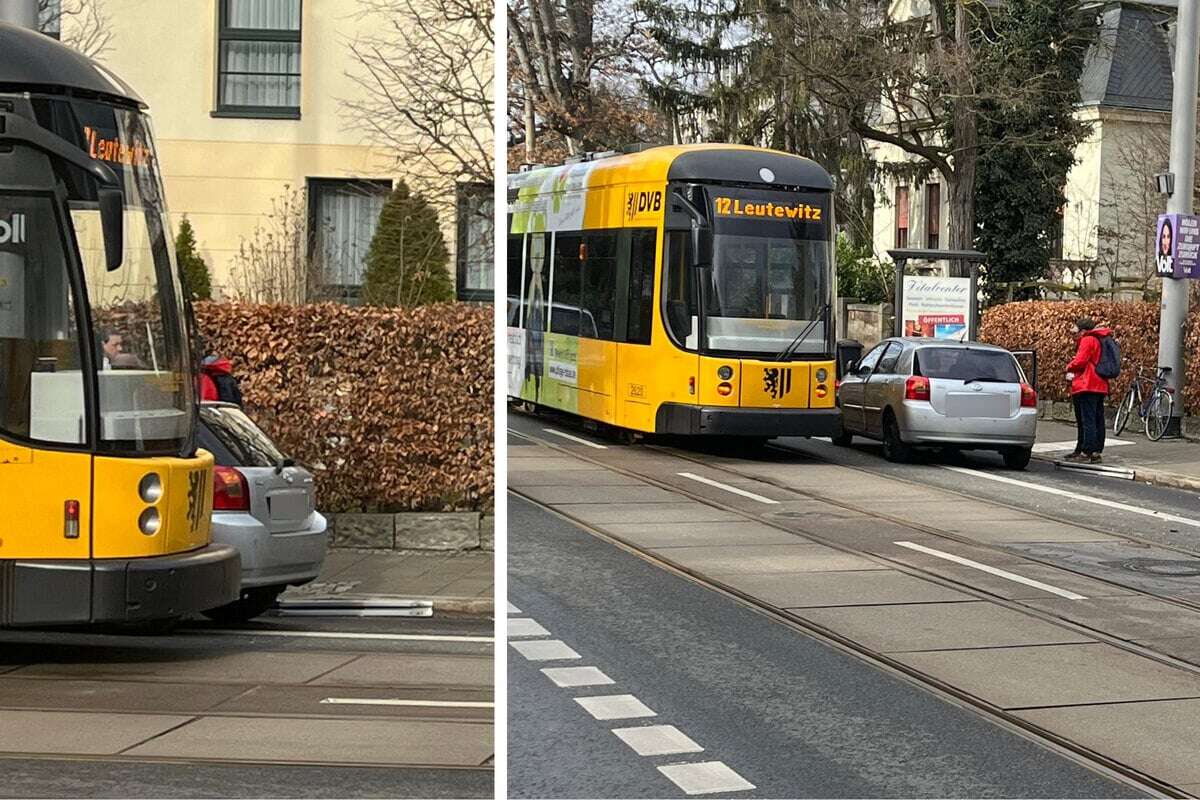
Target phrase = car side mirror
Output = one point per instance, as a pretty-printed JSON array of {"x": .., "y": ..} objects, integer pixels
[{"x": 112, "y": 223}]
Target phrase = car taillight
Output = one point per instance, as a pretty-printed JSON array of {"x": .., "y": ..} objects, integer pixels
[
  {"x": 230, "y": 490},
  {"x": 916, "y": 388},
  {"x": 1028, "y": 396}
]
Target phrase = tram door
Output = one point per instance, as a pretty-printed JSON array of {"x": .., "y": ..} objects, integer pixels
[{"x": 45, "y": 469}]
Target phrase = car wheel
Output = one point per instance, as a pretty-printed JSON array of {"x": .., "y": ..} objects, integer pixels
[
  {"x": 1016, "y": 457},
  {"x": 894, "y": 448},
  {"x": 251, "y": 604},
  {"x": 843, "y": 437}
]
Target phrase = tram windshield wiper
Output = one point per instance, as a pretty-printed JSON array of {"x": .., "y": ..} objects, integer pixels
[{"x": 784, "y": 354}]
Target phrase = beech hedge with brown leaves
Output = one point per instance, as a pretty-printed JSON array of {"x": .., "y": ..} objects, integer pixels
[{"x": 1046, "y": 327}]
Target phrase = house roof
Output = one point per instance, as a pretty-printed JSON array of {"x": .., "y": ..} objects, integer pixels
[{"x": 1130, "y": 66}]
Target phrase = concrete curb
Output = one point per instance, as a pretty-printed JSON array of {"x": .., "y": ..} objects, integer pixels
[
  {"x": 1153, "y": 477},
  {"x": 468, "y": 606}
]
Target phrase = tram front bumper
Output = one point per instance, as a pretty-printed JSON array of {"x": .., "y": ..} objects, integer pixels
[
  {"x": 676, "y": 418},
  {"x": 34, "y": 592}
]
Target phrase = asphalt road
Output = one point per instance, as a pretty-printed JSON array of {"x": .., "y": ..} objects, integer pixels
[
  {"x": 216, "y": 711},
  {"x": 780, "y": 709}
]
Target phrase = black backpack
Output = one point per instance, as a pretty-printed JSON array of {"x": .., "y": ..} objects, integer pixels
[
  {"x": 1109, "y": 365},
  {"x": 228, "y": 390}
]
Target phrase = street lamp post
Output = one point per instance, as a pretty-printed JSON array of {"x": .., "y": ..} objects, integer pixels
[
  {"x": 1173, "y": 315},
  {"x": 20, "y": 12}
]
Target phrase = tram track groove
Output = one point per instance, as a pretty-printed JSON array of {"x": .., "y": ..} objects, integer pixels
[{"x": 1085, "y": 755}]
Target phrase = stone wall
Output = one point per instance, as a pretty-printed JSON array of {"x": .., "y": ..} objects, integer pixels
[{"x": 454, "y": 531}]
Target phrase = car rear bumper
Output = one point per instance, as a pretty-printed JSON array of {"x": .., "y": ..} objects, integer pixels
[
  {"x": 676, "y": 418},
  {"x": 273, "y": 559},
  {"x": 37, "y": 592},
  {"x": 921, "y": 425}
]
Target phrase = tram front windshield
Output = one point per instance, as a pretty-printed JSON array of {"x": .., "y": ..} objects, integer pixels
[
  {"x": 53, "y": 267},
  {"x": 771, "y": 270}
]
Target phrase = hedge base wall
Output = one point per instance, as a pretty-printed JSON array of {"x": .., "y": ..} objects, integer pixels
[
  {"x": 392, "y": 408},
  {"x": 1046, "y": 327}
]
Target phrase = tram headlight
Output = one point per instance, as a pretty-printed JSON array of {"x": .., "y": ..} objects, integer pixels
[
  {"x": 150, "y": 488},
  {"x": 724, "y": 389},
  {"x": 822, "y": 374},
  {"x": 149, "y": 521},
  {"x": 724, "y": 372}
]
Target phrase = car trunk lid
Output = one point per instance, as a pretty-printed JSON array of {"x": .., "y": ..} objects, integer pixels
[{"x": 970, "y": 382}]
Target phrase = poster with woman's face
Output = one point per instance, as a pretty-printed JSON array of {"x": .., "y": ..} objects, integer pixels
[{"x": 1164, "y": 252}]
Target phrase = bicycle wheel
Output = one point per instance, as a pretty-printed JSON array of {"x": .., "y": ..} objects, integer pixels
[
  {"x": 1124, "y": 410},
  {"x": 1158, "y": 414}
]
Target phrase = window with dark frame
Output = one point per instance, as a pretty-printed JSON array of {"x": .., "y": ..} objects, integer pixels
[
  {"x": 933, "y": 214},
  {"x": 258, "y": 59},
  {"x": 902, "y": 210},
  {"x": 475, "y": 262},
  {"x": 342, "y": 218},
  {"x": 641, "y": 286}
]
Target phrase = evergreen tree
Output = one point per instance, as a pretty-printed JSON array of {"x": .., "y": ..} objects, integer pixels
[
  {"x": 407, "y": 262},
  {"x": 1039, "y": 46},
  {"x": 196, "y": 280}
]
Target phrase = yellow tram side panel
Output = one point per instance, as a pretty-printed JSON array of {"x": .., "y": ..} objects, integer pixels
[
  {"x": 34, "y": 488},
  {"x": 184, "y": 507}
]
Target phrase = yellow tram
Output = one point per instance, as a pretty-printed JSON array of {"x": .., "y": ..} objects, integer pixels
[
  {"x": 682, "y": 289},
  {"x": 106, "y": 502}
]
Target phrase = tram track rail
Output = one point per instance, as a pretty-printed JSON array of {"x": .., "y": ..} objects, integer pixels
[{"x": 1058, "y": 743}]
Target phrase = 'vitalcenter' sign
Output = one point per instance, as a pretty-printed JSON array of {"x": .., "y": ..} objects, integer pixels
[
  {"x": 939, "y": 308},
  {"x": 1177, "y": 246}
]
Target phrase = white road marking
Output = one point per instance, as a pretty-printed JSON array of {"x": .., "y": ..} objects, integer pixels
[
  {"x": 389, "y": 637},
  {"x": 575, "y": 439},
  {"x": 577, "y": 676},
  {"x": 513, "y": 609},
  {"x": 966, "y": 562},
  {"x": 615, "y": 706},
  {"x": 1146, "y": 512},
  {"x": 525, "y": 627},
  {"x": 706, "y": 777},
  {"x": 545, "y": 650},
  {"x": 728, "y": 488},
  {"x": 377, "y": 701},
  {"x": 1054, "y": 447},
  {"x": 657, "y": 740}
]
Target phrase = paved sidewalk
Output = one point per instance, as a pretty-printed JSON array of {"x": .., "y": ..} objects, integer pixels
[
  {"x": 1169, "y": 462},
  {"x": 455, "y": 582}
]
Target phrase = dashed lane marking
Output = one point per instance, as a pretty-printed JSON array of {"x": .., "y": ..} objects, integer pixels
[
  {"x": 545, "y": 650},
  {"x": 575, "y": 439},
  {"x": 728, "y": 488},
  {"x": 966, "y": 562},
  {"x": 657, "y": 740},
  {"x": 706, "y": 777},
  {"x": 525, "y": 627},
  {"x": 378, "y": 701},
  {"x": 577, "y": 676},
  {"x": 1100, "y": 501},
  {"x": 513, "y": 609},
  {"x": 615, "y": 706},
  {"x": 389, "y": 637}
]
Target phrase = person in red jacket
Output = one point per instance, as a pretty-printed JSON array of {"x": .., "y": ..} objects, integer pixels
[{"x": 1088, "y": 391}]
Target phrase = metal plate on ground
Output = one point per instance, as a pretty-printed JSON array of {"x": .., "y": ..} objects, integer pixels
[{"x": 354, "y": 607}]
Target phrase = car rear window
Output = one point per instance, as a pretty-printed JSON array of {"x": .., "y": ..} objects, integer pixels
[
  {"x": 965, "y": 364},
  {"x": 246, "y": 443}
]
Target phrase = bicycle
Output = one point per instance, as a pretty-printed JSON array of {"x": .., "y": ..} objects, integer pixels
[{"x": 1154, "y": 406}]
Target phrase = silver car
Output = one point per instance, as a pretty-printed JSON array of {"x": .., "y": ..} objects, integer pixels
[
  {"x": 937, "y": 393},
  {"x": 264, "y": 505}
]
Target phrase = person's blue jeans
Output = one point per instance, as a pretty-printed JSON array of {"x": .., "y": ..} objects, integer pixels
[{"x": 1089, "y": 422}]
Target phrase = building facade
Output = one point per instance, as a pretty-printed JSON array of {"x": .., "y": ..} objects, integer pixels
[{"x": 281, "y": 186}]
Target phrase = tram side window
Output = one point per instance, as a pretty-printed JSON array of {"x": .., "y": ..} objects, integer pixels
[
  {"x": 515, "y": 254},
  {"x": 641, "y": 286},
  {"x": 599, "y": 285},
  {"x": 537, "y": 281},
  {"x": 41, "y": 382},
  {"x": 679, "y": 292},
  {"x": 565, "y": 284}
]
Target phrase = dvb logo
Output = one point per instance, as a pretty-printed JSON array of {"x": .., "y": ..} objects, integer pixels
[{"x": 12, "y": 230}]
